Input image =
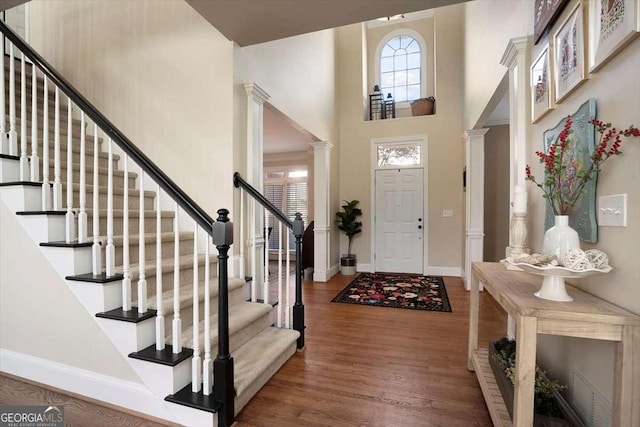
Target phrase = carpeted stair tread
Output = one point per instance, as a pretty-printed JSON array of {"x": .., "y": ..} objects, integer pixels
[
  {"x": 186, "y": 295},
  {"x": 241, "y": 315},
  {"x": 257, "y": 354},
  {"x": 150, "y": 238},
  {"x": 184, "y": 261},
  {"x": 119, "y": 213}
]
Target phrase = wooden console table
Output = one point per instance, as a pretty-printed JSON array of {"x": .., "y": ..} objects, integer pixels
[{"x": 585, "y": 317}]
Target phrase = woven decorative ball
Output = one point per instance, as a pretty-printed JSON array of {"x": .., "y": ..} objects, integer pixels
[
  {"x": 598, "y": 258},
  {"x": 576, "y": 259}
]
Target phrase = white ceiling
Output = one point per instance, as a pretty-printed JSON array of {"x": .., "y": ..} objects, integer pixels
[{"x": 249, "y": 22}]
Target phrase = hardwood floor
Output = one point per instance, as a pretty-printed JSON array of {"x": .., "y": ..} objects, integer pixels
[
  {"x": 362, "y": 366},
  {"x": 373, "y": 366}
]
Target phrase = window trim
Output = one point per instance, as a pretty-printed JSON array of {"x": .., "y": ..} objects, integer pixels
[{"x": 423, "y": 61}]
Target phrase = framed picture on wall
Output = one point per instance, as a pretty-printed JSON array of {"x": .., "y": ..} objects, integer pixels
[
  {"x": 568, "y": 64},
  {"x": 547, "y": 11},
  {"x": 540, "y": 81},
  {"x": 612, "y": 25}
]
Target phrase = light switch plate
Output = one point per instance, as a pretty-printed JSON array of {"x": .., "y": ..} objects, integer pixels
[
  {"x": 447, "y": 213},
  {"x": 612, "y": 211}
]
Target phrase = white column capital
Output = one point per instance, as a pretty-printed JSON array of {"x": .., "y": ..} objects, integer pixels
[
  {"x": 322, "y": 145},
  {"x": 256, "y": 93},
  {"x": 516, "y": 46},
  {"x": 473, "y": 134}
]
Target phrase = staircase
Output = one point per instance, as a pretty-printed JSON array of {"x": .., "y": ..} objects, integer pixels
[{"x": 150, "y": 280}]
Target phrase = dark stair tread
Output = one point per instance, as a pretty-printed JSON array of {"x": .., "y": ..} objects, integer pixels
[
  {"x": 195, "y": 400},
  {"x": 100, "y": 278},
  {"x": 163, "y": 357},
  {"x": 7, "y": 156},
  {"x": 131, "y": 316},
  {"x": 62, "y": 244},
  {"x": 17, "y": 183},
  {"x": 29, "y": 213}
]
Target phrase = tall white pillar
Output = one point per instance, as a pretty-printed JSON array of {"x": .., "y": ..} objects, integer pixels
[
  {"x": 474, "y": 199},
  {"x": 515, "y": 58},
  {"x": 321, "y": 215},
  {"x": 256, "y": 97}
]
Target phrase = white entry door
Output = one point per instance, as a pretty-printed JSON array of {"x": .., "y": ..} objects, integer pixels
[{"x": 399, "y": 221}]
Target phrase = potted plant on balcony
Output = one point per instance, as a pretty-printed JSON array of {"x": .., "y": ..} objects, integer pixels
[{"x": 347, "y": 220}]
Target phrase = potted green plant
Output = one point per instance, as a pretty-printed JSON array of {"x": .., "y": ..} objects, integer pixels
[
  {"x": 347, "y": 220},
  {"x": 550, "y": 408}
]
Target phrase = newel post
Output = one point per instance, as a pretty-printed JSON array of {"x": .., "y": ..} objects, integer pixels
[
  {"x": 223, "y": 389},
  {"x": 298, "y": 308}
]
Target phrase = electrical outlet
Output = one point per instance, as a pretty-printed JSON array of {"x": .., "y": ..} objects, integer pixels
[
  {"x": 612, "y": 211},
  {"x": 447, "y": 213}
]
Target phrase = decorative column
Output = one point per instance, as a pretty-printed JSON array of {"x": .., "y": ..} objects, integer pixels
[
  {"x": 515, "y": 58},
  {"x": 254, "y": 223},
  {"x": 474, "y": 199},
  {"x": 321, "y": 215}
]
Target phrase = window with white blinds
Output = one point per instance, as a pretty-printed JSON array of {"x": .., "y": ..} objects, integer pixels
[{"x": 290, "y": 197}]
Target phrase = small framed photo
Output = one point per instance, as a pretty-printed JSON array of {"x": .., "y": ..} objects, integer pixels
[
  {"x": 540, "y": 81},
  {"x": 568, "y": 64},
  {"x": 612, "y": 25}
]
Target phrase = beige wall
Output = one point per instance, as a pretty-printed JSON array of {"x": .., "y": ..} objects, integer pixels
[
  {"x": 159, "y": 72},
  {"x": 488, "y": 26},
  {"x": 40, "y": 316},
  {"x": 444, "y": 132},
  {"x": 615, "y": 88},
  {"x": 496, "y": 192}
]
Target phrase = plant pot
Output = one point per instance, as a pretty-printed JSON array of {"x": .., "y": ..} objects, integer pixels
[
  {"x": 348, "y": 265},
  {"x": 569, "y": 417}
]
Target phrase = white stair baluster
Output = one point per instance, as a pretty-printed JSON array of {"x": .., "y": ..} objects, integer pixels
[
  {"x": 176, "y": 324},
  {"x": 57, "y": 183},
  {"x": 126, "y": 270},
  {"x": 265, "y": 256},
  {"x": 160, "y": 312},
  {"x": 196, "y": 362},
  {"x": 46, "y": 188},
  {"x": 82, "y": 215},
  {"x": 70, "y": 219},
  {"x": 4, "y": 138},
  {"x": 279, "y": 312},
  {"x": 34, "y": 160},
  {"x": 24, "y": 159},
  {"x": 252, "y": 254},
  {"x": 142, "y": 278},
  {"x": 13, "y": 134},
  {"x": 287, "y": 313},
  {"x": 207, "y": 368},
  {"x": 96, "y": 249},
  {"x": 110, "y": 249}
]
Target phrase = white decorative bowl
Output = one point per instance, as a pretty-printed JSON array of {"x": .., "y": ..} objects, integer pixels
[{"x": 553, "y": 286}]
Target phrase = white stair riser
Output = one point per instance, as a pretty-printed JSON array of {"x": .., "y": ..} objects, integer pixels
[
  {"x": 129, "y": 337},
  {"x": 161, "y": 379},
  {"x": 44, "y": 228},
  {"x": 69, "y": 261},
  {"x": 22, "y": 198},
  {"x": 98, "y": 297},
  {"x": 9, "y": 170}
]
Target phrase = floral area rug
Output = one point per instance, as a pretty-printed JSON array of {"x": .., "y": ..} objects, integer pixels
[{"x": 397, "y": 291}]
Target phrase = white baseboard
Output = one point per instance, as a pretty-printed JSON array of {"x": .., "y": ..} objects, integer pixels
[
  {"x": 115, "y": 391},
  {"x": 324, "y": 276},
  {"x": 333, "y": 270},
  {"x": 444, "y": 271},
  {"x": 364, "y": 268}
]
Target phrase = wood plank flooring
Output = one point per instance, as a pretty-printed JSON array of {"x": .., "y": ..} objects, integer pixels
[
  {"x": 374, "y": 366},
  {"x": 362, "y": 366}
]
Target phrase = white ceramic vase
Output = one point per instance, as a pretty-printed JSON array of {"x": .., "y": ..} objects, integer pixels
[{"x": 560, "y": 238}]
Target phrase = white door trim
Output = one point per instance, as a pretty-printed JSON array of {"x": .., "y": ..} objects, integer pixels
[{"x": 423, "y": 140}]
